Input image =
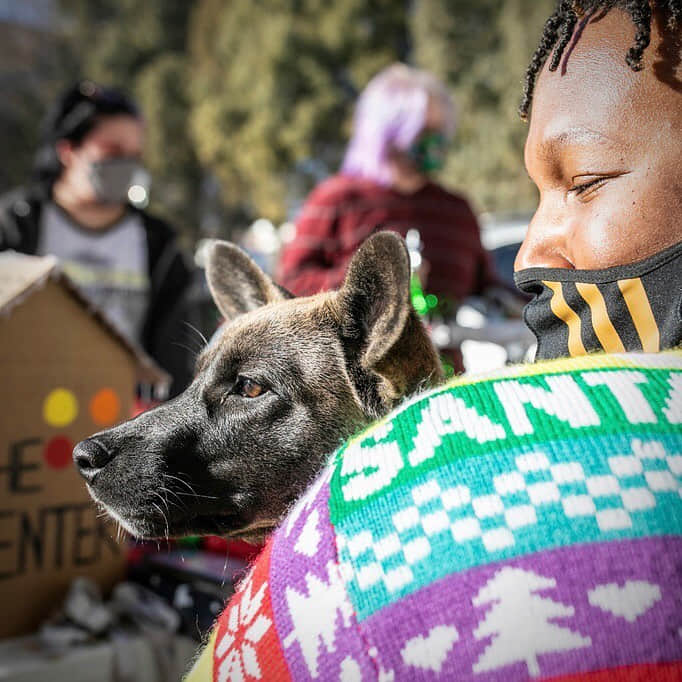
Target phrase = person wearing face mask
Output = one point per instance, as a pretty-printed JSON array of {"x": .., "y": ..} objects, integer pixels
[
  {"x": 86, "y": 208},
  {"x": 603, "y": 254},
  {"x": 403, "y": 122}
]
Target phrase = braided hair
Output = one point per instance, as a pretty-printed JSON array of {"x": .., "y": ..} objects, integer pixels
[{"x": 559, "y": 27}]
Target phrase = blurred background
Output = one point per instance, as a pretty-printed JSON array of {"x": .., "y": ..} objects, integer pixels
[{"x": 248, "y": 103}]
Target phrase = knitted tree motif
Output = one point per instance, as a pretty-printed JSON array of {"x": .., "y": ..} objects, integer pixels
[
  {"x": 520, "y": 619},
  {"x": 317, "y": 615}
]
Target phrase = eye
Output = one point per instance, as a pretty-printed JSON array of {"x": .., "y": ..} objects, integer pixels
[
  {"x": 248, "y": 388},
  {"x": 592, "y": 184}
]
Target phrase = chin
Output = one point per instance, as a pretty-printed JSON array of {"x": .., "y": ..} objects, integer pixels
[{"x": 148, "y": 527}]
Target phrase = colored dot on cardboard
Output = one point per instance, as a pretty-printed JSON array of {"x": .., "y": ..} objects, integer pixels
[
  {"x": 60, "y": 407},
  {"x": 57, "y": 452},
  {"x": 105, "y": 407}
]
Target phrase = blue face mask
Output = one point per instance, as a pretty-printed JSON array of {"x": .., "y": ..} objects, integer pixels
[
  {"x": 428, "y": 152},
  {"x": 624, "y": 308}
]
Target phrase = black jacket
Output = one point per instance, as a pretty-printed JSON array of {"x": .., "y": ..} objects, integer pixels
[{"x": 169, "y": 276}]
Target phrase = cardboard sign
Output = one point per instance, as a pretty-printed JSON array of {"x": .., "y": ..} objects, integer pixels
[{"x": 64, "y": 376}]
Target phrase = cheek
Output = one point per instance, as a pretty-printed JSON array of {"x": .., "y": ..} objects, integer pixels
[
  {"x": 628, "y": 222},
  {"x": 79, "y": 165},
  {"x": 80, "y": 174}
]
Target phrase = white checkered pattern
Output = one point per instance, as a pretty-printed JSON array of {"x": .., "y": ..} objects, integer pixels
[{"x": 445, "y": 506}]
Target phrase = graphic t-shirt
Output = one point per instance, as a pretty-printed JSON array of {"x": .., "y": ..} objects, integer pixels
[{"x": 109, "y": 265}]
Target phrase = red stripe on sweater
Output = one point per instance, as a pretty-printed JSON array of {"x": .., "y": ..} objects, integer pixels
[
  {"x": 650, "y": 672},
  {"x": 247, "y": 645}
]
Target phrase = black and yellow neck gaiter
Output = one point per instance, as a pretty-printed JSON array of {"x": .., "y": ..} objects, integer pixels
[{"x": 623, "y": 308}]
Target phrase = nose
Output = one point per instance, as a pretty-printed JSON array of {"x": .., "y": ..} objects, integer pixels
[
  {"x": 545, "y": 246},
  {"x": 90, "y": 457}
]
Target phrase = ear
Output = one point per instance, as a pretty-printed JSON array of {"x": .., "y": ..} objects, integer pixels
[
  {"x": 375, "y": 296},
  {"x": 236, "y": 283},
  {"x": 64, "y": 151}
]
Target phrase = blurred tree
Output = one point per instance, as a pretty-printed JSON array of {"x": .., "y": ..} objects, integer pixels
[
  {"x": 33, "y": 59},
  {"x": 272, "y": 86},
  {"x": 481, "y": 49},
  {"x": 20, "y": 115},
  {"x": 259, "y": 93},
  {"x": 141, "y": 47}
]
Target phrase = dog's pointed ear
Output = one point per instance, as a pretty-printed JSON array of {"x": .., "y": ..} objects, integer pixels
[
  {"x": 236, "y": 283},
  {"x": 375, "y": 296}
]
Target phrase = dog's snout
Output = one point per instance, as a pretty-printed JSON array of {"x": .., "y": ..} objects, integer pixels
[{"x": 91, "y": 457}]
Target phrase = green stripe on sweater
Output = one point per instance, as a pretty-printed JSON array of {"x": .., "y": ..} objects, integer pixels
[{"x": 487, "y": 417}]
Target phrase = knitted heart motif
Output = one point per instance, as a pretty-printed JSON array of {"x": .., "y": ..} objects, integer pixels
[
  {"x": 430, "y": 652},
  {"x": 630, "y": 601}
]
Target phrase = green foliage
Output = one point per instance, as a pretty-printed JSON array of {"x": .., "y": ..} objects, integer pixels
[
  {"x": 258, "y": 94},
  {"x": 161, "y": 89},
  {"x": 32, "y": 67},
  {"x": 273, "y": 82},
  {"x": 19, "y": 120},
  {"x": 115, "y": 39},
  {"x": 481, "y": 49}
]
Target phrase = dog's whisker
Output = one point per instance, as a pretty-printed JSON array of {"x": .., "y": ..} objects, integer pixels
[
  {"x": 168, "y": 491},
  {"x": 180, "y": 480},
  {"x": 191, "y": 492},
  {"x": 164, "y": 517},
  {"x": 193, "y": 351},
  {"x": 197, "y": 331},
  {"x": 227, "y": 555},
  {"x": 207, "y": 497},
  {"x": 164, "y": 500}
]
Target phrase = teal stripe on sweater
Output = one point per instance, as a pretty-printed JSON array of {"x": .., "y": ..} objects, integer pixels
[{"x": 507, "y": 504}]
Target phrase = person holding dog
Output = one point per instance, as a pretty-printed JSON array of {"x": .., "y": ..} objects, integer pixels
[
  {"x": 86, "y": 207},
  {"x": 525, "y": 524},
  {"x": 403, "y": 122},
  {"x": 603, "y": 253}
]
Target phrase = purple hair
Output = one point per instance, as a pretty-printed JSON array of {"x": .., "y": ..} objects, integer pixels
[{"x": 390, "y": 114}]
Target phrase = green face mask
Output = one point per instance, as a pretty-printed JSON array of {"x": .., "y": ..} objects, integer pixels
[{"x": 428, "y": 152}]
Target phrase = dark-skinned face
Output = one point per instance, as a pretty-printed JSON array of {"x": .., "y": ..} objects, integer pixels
[{"x": 604, "y": 148}]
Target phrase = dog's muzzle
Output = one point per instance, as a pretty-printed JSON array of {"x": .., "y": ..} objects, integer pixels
[{"x": 90, "y": 457}]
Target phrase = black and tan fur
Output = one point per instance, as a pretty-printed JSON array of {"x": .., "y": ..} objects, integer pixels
[{"x": 215, "y": 460}]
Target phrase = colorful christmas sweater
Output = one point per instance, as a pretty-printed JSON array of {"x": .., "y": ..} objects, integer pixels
[{"x": 524, "y": 525}]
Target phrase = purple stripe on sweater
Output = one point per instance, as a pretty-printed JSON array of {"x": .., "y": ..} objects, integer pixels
[
  {"x": 313, "y": 615},
  {"x": 570, "y": 610}
]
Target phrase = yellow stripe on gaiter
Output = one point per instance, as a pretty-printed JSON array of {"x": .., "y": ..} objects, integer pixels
[
  {"x": 642, "y": 316},
  {"x": 566, "y": 314},
  {"x": 601, "y": 323}
]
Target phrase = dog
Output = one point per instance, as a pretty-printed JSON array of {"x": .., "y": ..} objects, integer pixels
[{"x": 280, "y": 386}]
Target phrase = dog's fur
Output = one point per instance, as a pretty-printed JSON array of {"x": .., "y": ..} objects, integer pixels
[{"x": 214, "y": 460}]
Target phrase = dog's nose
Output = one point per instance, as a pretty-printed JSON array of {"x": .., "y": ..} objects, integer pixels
[{"x": 91, "y": 457}]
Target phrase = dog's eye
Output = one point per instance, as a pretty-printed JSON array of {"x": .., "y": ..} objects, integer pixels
[{"x": 248, "y": 387}]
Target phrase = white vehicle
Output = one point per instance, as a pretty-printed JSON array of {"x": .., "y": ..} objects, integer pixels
[{"x": 487, "y": 336}]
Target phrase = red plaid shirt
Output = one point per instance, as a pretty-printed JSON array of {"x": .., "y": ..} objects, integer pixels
[{"x": 343, "y": 211}]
